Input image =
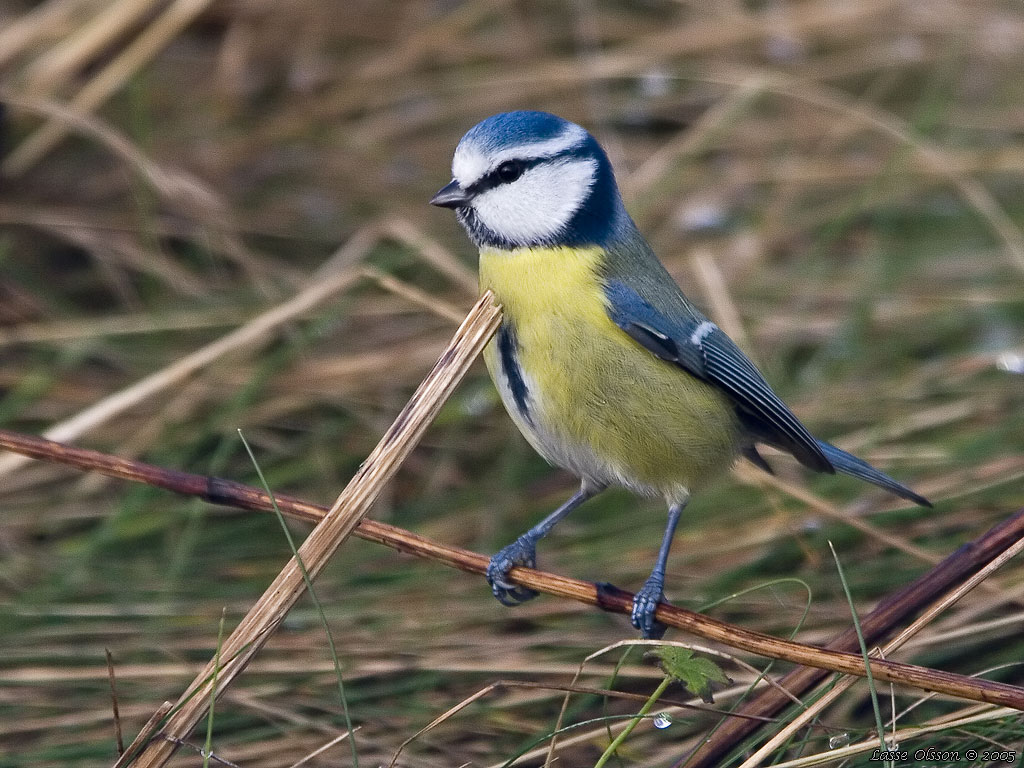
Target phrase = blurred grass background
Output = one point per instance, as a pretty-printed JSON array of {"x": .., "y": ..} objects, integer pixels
[{"x": 841, "y": 182}]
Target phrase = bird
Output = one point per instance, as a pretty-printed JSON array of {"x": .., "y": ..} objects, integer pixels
[{"x": 605, "y": 366}]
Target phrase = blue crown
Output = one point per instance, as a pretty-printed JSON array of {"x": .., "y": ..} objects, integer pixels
[
  {"x": 508, "y": 129},
  {"x": 602, "y": 216}
]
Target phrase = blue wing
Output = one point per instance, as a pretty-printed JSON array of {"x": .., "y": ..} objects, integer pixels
[{"x": 700, "y": 348}]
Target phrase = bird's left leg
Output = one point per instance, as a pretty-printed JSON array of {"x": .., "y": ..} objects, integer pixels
[
  {"x": 646, "y": 600},
  {"x": 523, "y": 551}
]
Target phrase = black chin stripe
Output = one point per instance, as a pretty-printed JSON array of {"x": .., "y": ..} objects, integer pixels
[{"x": 507, "y": 352}]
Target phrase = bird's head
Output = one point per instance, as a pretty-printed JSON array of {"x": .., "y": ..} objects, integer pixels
[{"x": 525, "y": 179}]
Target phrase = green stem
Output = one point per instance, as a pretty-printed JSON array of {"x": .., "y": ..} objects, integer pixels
[{"x": 644, "y": 711}]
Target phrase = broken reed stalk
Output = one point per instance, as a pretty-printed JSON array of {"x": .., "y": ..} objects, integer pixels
[
  {"x": 333, "y": 529},
  {"x": 148, "y": 731},
  {"x": 907, "y": 601}
]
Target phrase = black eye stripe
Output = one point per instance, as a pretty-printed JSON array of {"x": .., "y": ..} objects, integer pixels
[{"x": 491, "y": 179}]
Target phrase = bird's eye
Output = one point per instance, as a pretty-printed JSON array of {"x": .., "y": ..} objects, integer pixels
[{"x": 510, "y": 170}]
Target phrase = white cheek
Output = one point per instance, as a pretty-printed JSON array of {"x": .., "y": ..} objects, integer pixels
[{"x": 538, "y": 205}]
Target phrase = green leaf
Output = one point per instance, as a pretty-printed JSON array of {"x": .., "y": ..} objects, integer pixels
[{"x": 696, "y": 673}]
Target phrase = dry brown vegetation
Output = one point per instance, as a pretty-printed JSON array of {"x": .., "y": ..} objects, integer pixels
[{"x": 212, "y": 216}]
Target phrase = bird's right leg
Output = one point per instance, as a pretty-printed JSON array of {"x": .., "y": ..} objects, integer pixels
[{"x": 523, "y": 551}]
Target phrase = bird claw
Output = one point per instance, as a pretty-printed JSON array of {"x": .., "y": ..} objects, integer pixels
[
  {"x": 645, "y": 603},
  {"x": 519, "y": 552}
]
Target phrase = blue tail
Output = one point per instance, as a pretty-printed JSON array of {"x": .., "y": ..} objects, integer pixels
[{"x": 849, "y": 464}]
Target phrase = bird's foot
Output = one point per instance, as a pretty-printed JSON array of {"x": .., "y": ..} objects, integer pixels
[
  {"x": 522, "y": 551},
  {"x": 645, "y": 603}
]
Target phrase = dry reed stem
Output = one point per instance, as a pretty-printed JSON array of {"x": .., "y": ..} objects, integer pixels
[
  {"x": 812, "y": 711},
  {"x": 121, "y": 325},
  {"x": 322, "y": 748},
  {"x": 169, "y": 183},
  {"x": 693, "y": 139},
  {"x": 99, "y": 716},
  {"x": 118, "y": 253},
  {"x": 431, "y": 251},
  {"x": 75, "y": 51},
  {"x": 756, "y": 676},
  {"x": 186, "y": 192},
  {"x": 933, "y": 156},
  {"x": 723, "y": 308},
  {"x": 413, "y": 295},
  {"x": 588, "y": 736},
  {"x": 335, "y": 527},
  {"x": 899, "y": 605},
  {"x": 24, "y": 31},
  {"x": 107, "y": 81},
  {"x": 446, "y": 715},
  {"x": 358, "y": 671},
  {"x": 247, "y": 336},
  {"x": 652, "y": 51},
  {"x": 114, "y": 705},
  {"x": 145, "y": 734},
  {"x": 950, "y": 572},
  {"x": 896, "y": 737},
  {"x": 748, "y": 473},
  {"x": 568, "y": 690}
]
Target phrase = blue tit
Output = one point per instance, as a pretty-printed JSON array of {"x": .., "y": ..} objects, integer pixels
[{"x": 604, "y": 365}]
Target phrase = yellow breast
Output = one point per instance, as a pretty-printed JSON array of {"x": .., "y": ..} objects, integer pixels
[{"x": 600, "y": 404}]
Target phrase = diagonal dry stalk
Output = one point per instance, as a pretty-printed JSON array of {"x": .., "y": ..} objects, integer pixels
[
  {"x": 332, "y": 530},
  {"x": 148, "y": 731}
]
